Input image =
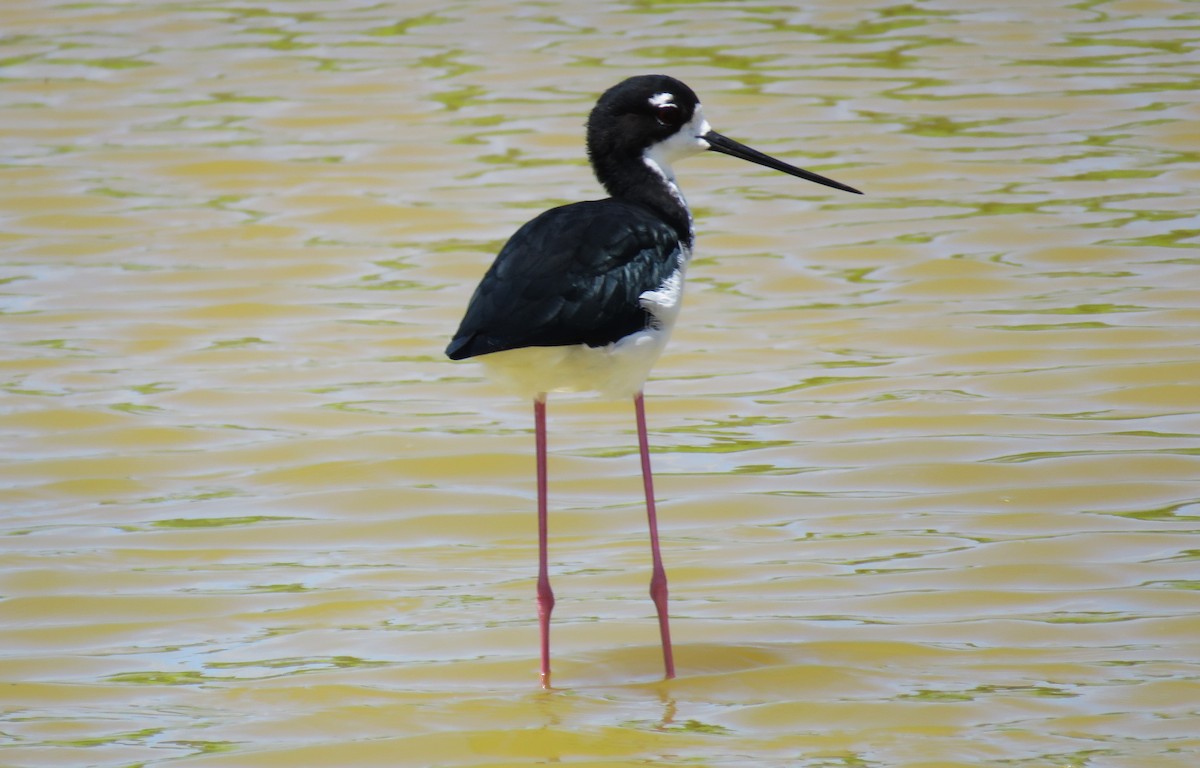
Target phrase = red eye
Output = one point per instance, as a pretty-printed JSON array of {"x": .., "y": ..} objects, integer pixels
[{"x": 668, "y": 115}]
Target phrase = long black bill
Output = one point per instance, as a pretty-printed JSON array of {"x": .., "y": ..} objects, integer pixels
[{"x": 727, "y": 146}]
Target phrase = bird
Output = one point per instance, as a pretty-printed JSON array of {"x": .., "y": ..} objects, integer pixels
[{"x": 583, "y": 297}]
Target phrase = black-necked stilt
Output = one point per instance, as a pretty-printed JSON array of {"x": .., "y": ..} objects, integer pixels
[{"x": 583, "y": 297}]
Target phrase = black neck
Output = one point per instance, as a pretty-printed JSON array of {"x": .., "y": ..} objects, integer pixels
[{"x": 632, "y": 180}]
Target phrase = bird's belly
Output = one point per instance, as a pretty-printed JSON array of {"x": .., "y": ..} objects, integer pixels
[{"x": 614, "y": 370}]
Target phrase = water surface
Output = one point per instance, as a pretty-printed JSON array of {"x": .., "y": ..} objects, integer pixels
[{"x": 927, "y": 459}]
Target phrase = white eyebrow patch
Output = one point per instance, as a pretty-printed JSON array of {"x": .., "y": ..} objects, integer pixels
[{"x": 659, "y": 99}]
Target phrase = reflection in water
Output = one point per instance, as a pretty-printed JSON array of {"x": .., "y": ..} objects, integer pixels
[{"x": 928, "y": 457}]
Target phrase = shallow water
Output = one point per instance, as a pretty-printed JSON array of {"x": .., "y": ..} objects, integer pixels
[{"x": 927, "y": 459}]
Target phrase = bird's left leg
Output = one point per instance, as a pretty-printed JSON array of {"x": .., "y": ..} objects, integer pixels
[{"x": 545, "y": 596}]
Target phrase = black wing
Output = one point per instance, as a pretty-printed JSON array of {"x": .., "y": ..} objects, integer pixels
[{"x": 572, "y": 275}]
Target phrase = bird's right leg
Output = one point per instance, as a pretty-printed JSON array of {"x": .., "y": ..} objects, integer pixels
[
  {"x": 545, "y": 596},
  {"x": 658, "y": 578}
]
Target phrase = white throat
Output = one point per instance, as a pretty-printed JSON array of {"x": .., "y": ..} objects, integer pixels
[{"x": 688, "y": 140}]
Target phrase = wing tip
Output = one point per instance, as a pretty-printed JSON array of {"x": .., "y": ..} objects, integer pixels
[{"x": 457, "y": 348}]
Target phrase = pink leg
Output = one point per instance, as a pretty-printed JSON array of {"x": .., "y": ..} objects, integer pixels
[
  {"x": 545, "y": 597},
  {"x": 658, "y": 579}
]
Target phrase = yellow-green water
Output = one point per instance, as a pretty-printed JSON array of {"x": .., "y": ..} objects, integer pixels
[{"x": 928, "y": 460}]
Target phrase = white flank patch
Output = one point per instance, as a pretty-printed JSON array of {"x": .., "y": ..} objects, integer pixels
[{"x": 664, "y": 303}]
